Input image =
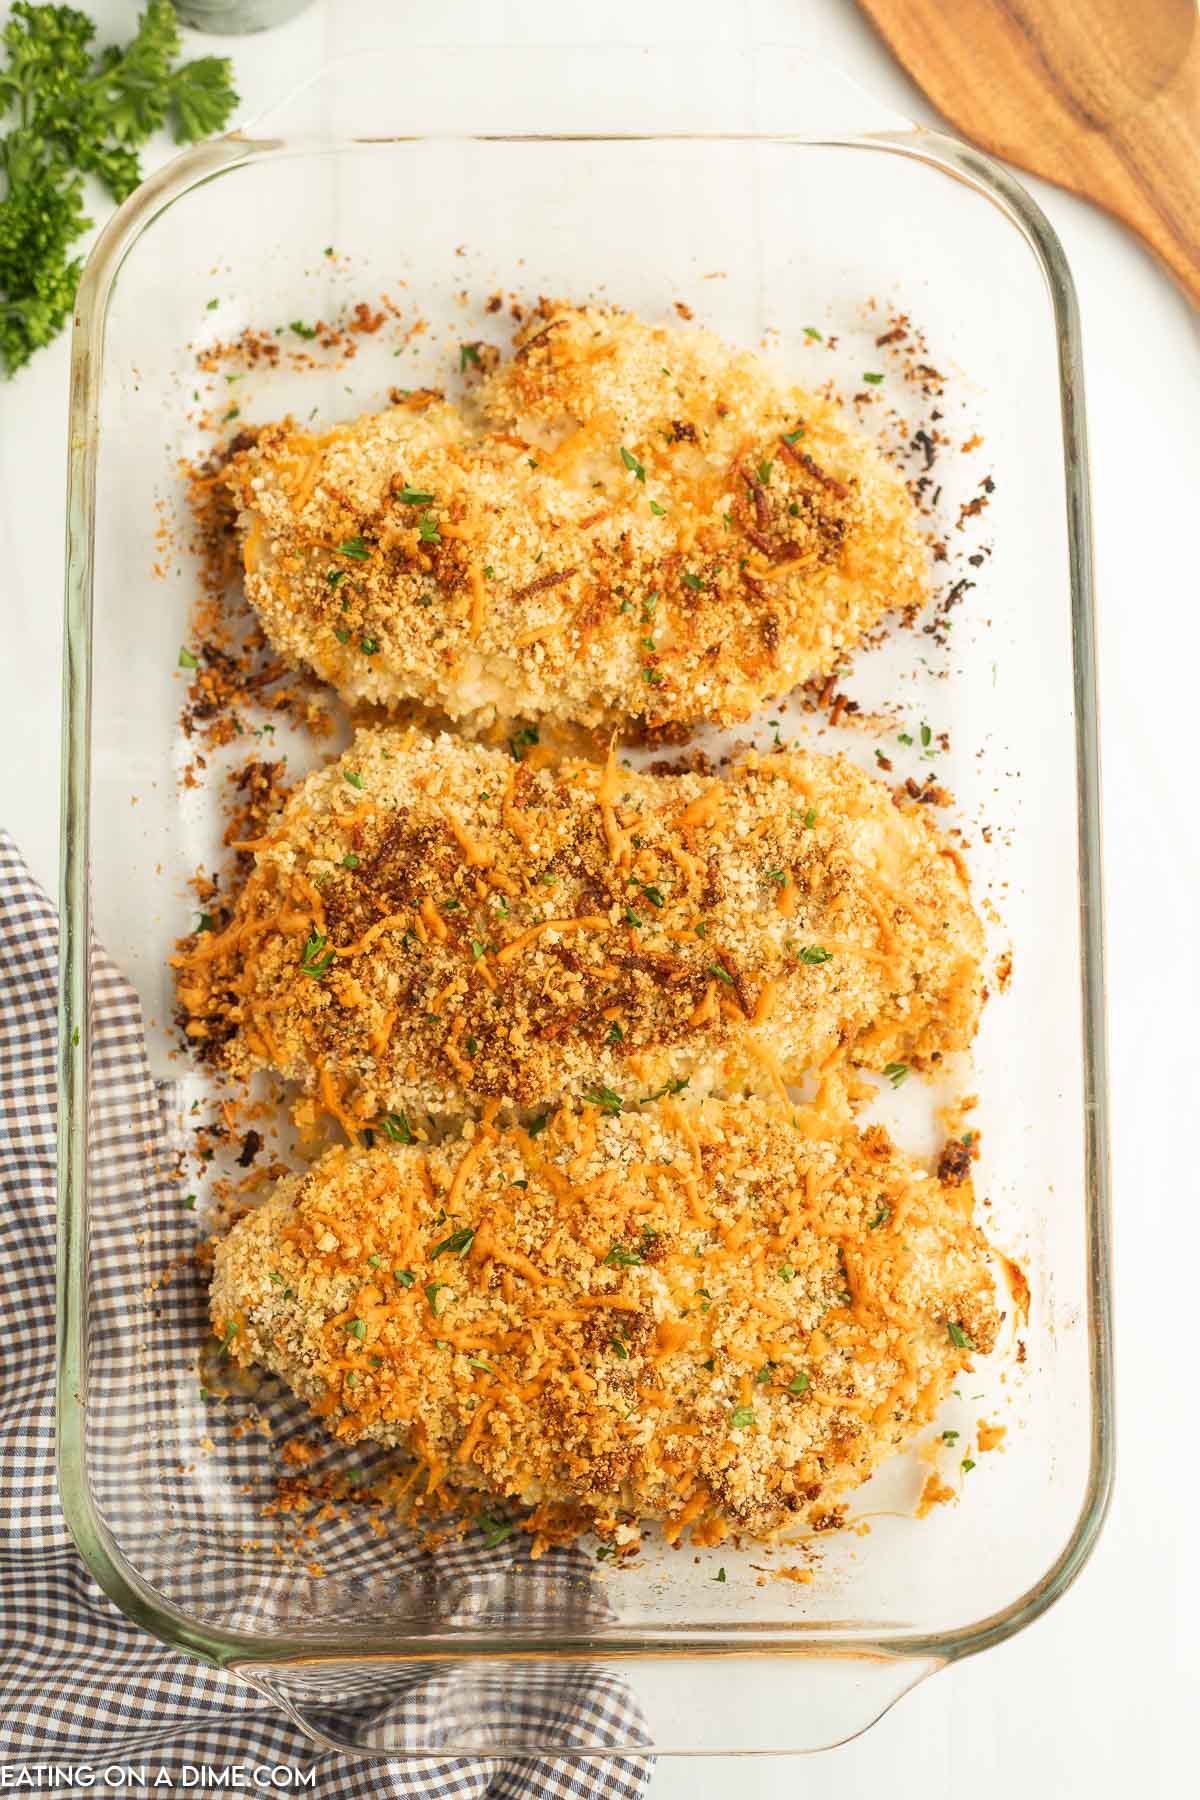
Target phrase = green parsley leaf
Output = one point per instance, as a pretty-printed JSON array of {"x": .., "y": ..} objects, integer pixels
[
  {"x": 427, "y": 529},
  {"x": 410, "y": 496},
  {"x": 905, "y": 738},
  {"x": 660, "y": 512},
  {"x": 621, "y": 1257},
  {"x": 354, "y": 779},
  {"x": 742, "y": 1416},
  {"x": 619, "y": 1348},
  {"x": 764, "y": 472},
  {"x": 457, "y": 1244},
  {"x": 536, "y": 1126},
  {"x": 967, "y": 1465},
  {"x": 343, "y": 637},
  {"x": 615, "y": 1034},
  {"x": 404, "y": 1277},
  {"x": 962, "y": 1340},
  {"x": 693, "y": 581},
  {"x": 668, "y": 1087},
  {"x": 798, "y": 1383},
  {"x": 873, "y": 379},
  {"x": 653, "y": 894},
  {"x": 881, "y": 1218},
  {"x": 373, "y": 1262},
  {"x": 472, "y": 1046},
  {"x": 467, "y": 354},
  {"x": 395, "y": 1125},
  {"x": 302, "y": 330},
  {"x": 369, "y": 646},
  {"x": 432, "y": 1290},
  {"x": 896, "y": 1073},
  {"x": 814, "y": 955},
  {"x": 522, "y": 740},
  {"x": 632, "y": 464},
  {"x": 810, "y": 331},
  {"x": 350, "y": 861},
  {"x": 187, "y": 660},
  {"x": 793, "y": 437},
  {"x": 354, "y": 548},
  {"x": 720, "y": 1574},
  {"x": 316, "y": 960},
  {"x": 477, "y": 1362},
  {"x": 786, "y": 1272},
  {"x": 926, "y": 737},
  {"x": 605, "y": 1099},
  {"x": 720, "y": 973},
  {"x": 950, "y": 1437},
  {"x": 495, "y": 1531},
  {"x": 357, "y": 1328}
]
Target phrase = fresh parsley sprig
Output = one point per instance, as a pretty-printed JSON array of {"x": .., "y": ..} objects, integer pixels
[{"x": 71, "y": 113}]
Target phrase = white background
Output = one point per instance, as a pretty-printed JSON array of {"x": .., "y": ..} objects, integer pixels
[{"x": 1102, "y": 1697}]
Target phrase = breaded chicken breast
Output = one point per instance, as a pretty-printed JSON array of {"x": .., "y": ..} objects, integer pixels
[
  {"x": 714, "y": 1315},
  {"x": 431, "y": 924},
  {"x": 636, "y": 523}
]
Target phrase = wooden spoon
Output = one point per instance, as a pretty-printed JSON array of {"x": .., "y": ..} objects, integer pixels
[{"x": 1100, "y": 96}]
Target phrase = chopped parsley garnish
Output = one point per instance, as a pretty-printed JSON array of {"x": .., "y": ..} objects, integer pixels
[
  {"x": 967, "y": 1465},
  {"x": 354, "y": 548},
  {"x": 350, "y": 861},
  {"x": 427, "y": 529},
  {"x": 764, "y": 472},
  {"x": 798, "y": 1383},
  {"x": 357, "y": 1328},
  {"x": 457, "y": 1244},
  {"x": 343, "y": 637},
  {"x": 467, "y": 353},
  {"x": 495, "y": 1531},
  {"x": 404, "y": 1277},
  {"x": 373, "y": 1262},
  {"x": 668, "y": 1087},
  {"x": 962, "y": 1340},
  {"x": 814, "y": 955},
  {"x": 621, "y": 1257},
  {"x": 905, "y": 738},
  {"x": 477, "y": 1362},
  {"x": 432, "y": 1290},
  {"x": 632, "y": 464},
  {"x": 522, "y": 740},
  {"x": 302, "y": 330},
  {"x": 874, "y": 379},
  {"x": 764, "y": 1374},
  {"x": 926, "y": 737},
  {"x": 616, "y": 1344},
  {"x": 205, "y": 922},
  {"x": 472, "y": 1046},
  {"x": 410, "y": 496},
  {"x": 317, "y": 960},
  {"x": 950, "y": 1437},
  {"x": 881, "y": 1218},
  {"x": 720, "y": 1574},
  {"x": 369, "y": 646},
  {"x": 810, "y": 331},
  {"x": 615, "y": 1034},
  {"x": 395, "y": 1125},
  {"x": 896, "y": 1073},
  {"x": 538, "y": 1125},
  {"x": 605, "y": 1099},
  {"x": 792, "y": 437},
  {"x": 778, "y": 876},
  {"x": 488, "y": 570},
  {"x": 653, "y": 894},
  {"x": 352, "y": 777},
  {"x": 786, "y": 1272},
  {"x": 186, "y": 659},
  {"x": 660, "y": 512},
  {"x": 742, "y": 1415},
  {"x": 631, "y": 918},
  {"x": 720, "y": 973},
  {"x": 693, "y": 581}
]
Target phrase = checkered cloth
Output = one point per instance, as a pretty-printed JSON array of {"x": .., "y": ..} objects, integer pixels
[{"x": 79, "y": 1682}]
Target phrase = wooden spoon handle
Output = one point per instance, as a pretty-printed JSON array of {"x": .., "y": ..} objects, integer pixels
[{"x": 1100, "y": 96}]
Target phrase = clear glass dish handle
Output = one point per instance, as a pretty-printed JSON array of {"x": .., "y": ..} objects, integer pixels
[{"x": 587, "y": 1707}]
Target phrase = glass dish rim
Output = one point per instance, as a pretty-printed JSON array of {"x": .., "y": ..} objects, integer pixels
[{"x": 223, "y": 1648}]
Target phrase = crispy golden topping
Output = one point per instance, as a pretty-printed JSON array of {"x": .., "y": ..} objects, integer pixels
[
  {"x": 431, "y": 924},
  {"x": 639, "y": 522},
  {"x": 714, "y": 1314}
]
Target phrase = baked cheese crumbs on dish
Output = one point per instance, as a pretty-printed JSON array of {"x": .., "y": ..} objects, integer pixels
[
  {"x": 431, "y": 924},
  {"x": 711, "y": 1315},
  {"x": 636, "y": 523}
]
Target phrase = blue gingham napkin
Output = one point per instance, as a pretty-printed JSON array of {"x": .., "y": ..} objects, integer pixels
[{"x": 80, "y": 1685}]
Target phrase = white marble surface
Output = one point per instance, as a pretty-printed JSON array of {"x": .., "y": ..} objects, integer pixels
[{"x": 1099, "y": 1698}]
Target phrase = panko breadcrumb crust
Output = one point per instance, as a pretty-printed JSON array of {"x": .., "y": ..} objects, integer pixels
[
  {"x": 431, "y": 924},
  {"x": 713, "y": 1315},
  {"x": 631, "y": 522}
]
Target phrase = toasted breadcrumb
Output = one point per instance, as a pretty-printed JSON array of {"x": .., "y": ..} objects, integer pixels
[
  {"x": 637, "y": 522},
  {"x": 430, "y": 925},
  {"x": 715, "y": 1315}
]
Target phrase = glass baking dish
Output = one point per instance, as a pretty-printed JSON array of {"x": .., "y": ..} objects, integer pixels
[{"x": 810, "y": 211}]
